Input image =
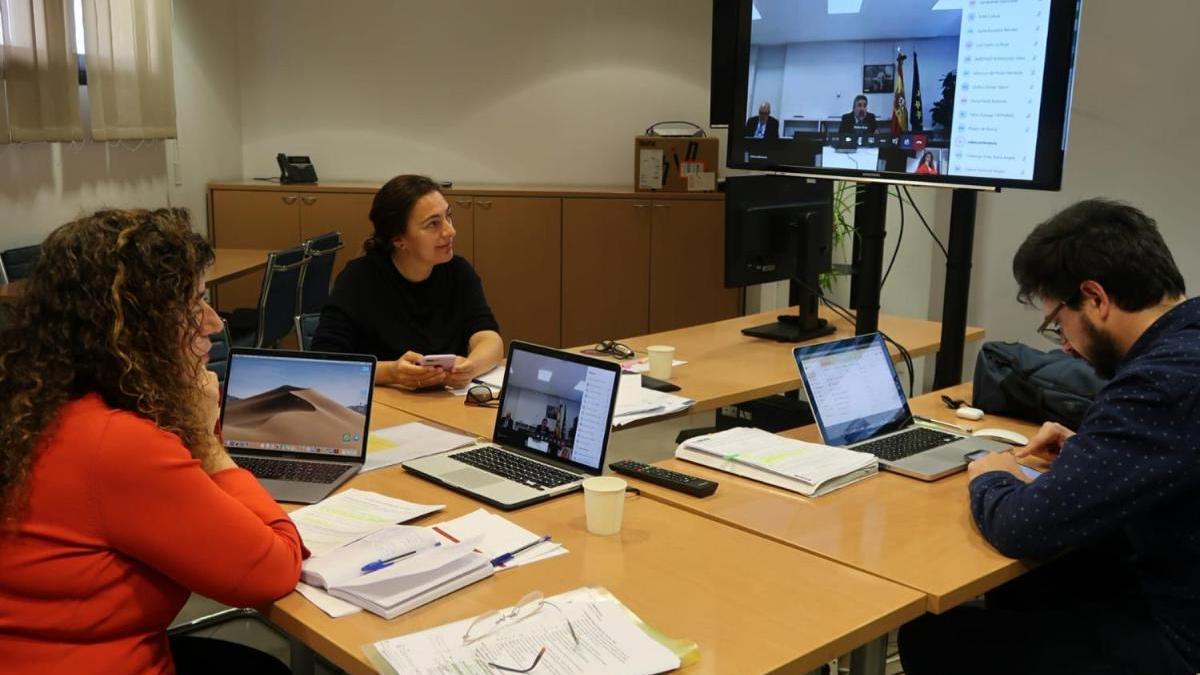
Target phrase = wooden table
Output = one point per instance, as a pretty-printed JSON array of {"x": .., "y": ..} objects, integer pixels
[
  {"x": 915, "y": 533},
  {"x": 229, "y": 263},
  {"x": 752, "y": 605},
  {"x": 724, "y": 367}
]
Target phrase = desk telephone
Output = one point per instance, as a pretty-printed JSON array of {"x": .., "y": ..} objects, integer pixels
[{"x": 296, "y": 169}]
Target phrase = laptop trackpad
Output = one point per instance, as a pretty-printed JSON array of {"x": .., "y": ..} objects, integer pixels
[{"x": 471, "y": 478}]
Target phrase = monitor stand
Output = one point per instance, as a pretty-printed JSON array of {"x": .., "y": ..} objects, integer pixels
[{"x": 790, "y": 328}]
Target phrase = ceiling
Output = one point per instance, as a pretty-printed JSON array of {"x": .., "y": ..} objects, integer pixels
[{"x": 785, "y": 21}]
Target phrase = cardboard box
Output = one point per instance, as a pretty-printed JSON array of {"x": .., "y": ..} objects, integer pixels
[{"x": 675, "y": 164}]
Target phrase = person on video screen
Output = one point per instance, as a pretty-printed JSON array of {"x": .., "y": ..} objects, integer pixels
[
  {"x": 927, "y": 165},
  {"x": 762, "y": 125},
  {"x": 858, "y": 121}
]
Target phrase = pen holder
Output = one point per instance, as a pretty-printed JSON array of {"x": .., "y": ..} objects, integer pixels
[{"x": 604, "y": 504}]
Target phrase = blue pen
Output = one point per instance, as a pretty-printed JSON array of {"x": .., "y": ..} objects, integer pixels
[
  {"x": 387, "y": 562},
  {"x": 505, "y": 557}
]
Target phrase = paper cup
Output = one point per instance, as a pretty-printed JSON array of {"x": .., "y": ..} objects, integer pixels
[
  {"x": 604, "y": 502},
  {"x": 660, "y": 360}
]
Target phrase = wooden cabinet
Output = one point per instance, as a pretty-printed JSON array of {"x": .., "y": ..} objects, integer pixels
[
  {"x": 687, "y": 262},
  {"x": 264, "y": 220},
  {"x": 462, "y": 215},
  {"x": 606, "y": 269},
  {"x": 518, "y": 254},
  {"x": 560, "y": 266},
  {"x": 276, "y": 220},
  {"x": 335, "y": 212}
]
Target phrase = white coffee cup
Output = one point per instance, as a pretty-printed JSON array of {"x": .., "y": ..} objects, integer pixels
[
  {"x": 662, "y": 357},
  {"x": 603, "y": 503}
]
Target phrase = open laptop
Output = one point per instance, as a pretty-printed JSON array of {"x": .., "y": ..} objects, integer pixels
[
  {"x": 297, "y": 420},
  {"x": 857, "y": 401},
  {"x": 551, "y": 432}
]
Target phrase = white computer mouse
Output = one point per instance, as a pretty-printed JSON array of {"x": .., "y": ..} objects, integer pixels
[{"x": 1002, "y": 435}]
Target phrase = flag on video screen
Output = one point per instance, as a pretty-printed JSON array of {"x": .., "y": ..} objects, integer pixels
[
  {"x": 917, "y": 118},
  {"x": 899, "y": 114}
]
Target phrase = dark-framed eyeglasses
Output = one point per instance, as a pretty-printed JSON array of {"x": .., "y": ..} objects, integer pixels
[
  {"x": 1050, "y": 328},
  {"x": 481, "y": 395},
  {"x": 611, "y": 348},
  {"x": 488, "y": 624}
]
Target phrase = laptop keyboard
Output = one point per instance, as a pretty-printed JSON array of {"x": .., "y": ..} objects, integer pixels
[
  {"x": 906, "y": 444},
  {"x": 514, "y": 467},
  {"x": 304, "y": 472}
]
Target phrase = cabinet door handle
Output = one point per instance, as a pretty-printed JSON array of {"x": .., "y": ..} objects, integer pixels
[
  {"x": 309, "y": 200},
  {"x": 640, "y": 206},
  {"x": 662, "y": 206},
  {"x": 484, "y": 204},
  {"x": 462, "y": 202},
  {"x": 289, "y": 199}
]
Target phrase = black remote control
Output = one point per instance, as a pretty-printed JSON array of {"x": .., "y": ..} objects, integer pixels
[{"x": 692, "y": 485}]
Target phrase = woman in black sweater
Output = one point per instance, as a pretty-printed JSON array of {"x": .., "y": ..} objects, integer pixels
[{"x": 410, "y": 296}]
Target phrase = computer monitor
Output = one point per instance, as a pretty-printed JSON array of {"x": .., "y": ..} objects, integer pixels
[
  {"x": 950, "y": 92},
  {"x": 780, "y": 228}
]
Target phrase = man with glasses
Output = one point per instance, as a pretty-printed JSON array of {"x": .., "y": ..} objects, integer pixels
[{"x": 1117, "y": 516}]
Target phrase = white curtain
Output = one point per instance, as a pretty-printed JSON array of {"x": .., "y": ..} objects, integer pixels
[
  {"x": 39, "y": 76},
  {"x": 131, "y": 82}
]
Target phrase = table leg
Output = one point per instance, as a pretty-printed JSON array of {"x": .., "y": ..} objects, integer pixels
[
  {"x": 871, "y": 658},
  {"x": 301, "y": 660}
]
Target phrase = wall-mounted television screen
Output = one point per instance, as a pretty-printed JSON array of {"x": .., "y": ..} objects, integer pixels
[{"x": 956, "y": 92}]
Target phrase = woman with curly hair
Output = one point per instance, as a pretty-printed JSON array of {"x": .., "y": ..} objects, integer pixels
[{"x": 116, "y": 495}]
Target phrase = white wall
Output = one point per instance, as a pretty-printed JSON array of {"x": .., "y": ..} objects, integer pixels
[
  {"x": 43, "y": 185},
  {"x": 1132, "y": 137},
  {"x": 541, "y": 91},
  {"x": 207, "y": 101}
]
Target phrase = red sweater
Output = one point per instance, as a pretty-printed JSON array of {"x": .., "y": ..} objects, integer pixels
[{"x": 122, "y": 523}]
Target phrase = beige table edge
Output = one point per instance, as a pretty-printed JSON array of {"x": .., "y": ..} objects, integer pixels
[
  {"x": 995, "y": 571},
  {"x": 340, "y": 640}
]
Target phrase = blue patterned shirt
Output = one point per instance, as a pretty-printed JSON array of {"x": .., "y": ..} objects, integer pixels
[{"x": 1133, "y": 467}]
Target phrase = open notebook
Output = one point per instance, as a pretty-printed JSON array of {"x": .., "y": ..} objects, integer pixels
[
  {"x": 431, "y": 567},
  {"x": 810, "y": 469}
]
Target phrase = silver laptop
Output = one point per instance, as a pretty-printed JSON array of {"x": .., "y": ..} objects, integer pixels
[
  {"x": 858, "y": 403},
  {"x": 552, "y": 424},
  {"x": 297, "y": 420}
]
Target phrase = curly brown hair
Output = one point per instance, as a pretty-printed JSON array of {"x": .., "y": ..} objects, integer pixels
[{"x": 109, "y": 309}]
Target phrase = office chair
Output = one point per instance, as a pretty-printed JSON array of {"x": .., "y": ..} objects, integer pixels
[
  {"x": 306, "y": 327},
  {"x": 273, "y": 319},
  {"x": 218, "y": 356},
  {"x": 19, "y": 262},
  {"x": 318, "y": 274}
]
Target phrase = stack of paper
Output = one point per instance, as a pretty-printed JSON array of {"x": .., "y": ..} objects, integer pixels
[
  {"x": 495, "y": 535},
  {"x": 493, "y": 378},
  {"x": 612, "y": 641},
  {"x": 642, "y": 365},
  {"x": 435, "y": 561},
  {"x": 405, "y": 442},
  {"x": 808, "y": 468},
  {"x": 396, "y": 569},
  {"x": 350, "y": 515},
  {"x": 635, "y": 402}
]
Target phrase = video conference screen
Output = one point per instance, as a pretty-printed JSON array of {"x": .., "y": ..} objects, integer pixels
[
  {"x": 557, "y": 408},
  {"x": 953, "y": 91}
]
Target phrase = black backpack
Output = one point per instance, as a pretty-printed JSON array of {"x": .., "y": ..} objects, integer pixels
[{"x": 1019, "y": 381}]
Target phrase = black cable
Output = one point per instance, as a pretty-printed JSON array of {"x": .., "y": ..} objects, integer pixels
[
  {"x": 899, "y": 238},
  {"x": 850, "y": 317},
  {"x": 925, "y": 223}
]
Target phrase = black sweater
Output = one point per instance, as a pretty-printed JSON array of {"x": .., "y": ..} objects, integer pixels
[{"x": 374, "y": 310}]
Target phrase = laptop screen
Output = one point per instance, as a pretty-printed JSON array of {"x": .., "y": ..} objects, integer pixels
[
  {"x": 853, "y": 388},
  {"x": 557, "y": 406},
  {"x": 315, "y": 404}
]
